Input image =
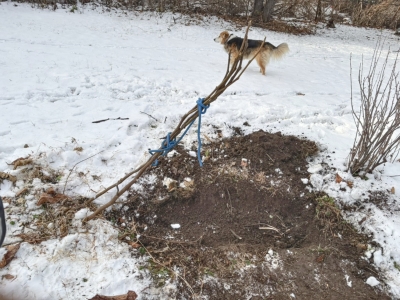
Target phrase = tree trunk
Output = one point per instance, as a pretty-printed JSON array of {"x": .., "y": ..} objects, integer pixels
[
  {"x": 258, "y": 8},
  {"x": 318, "y": 14},
  {"x": 268, "y": 10}
]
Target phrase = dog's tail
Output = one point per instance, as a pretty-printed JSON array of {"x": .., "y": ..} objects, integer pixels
[{"x": 280, "y": 51}]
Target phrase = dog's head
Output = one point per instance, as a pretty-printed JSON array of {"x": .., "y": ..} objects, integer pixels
[{"x": 222, "y": 38}]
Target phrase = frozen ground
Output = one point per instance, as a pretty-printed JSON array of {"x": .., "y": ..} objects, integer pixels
[{"x": 60, "y": 71}]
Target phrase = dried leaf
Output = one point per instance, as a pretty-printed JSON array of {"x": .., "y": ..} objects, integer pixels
[
  {"x": 33, "y": 238},
  {"x": 338, "y": 179},
  {"x": 130, "y": 296},
  {"x": 50, "y": 196},
  {"x": 11, "y": 251},
  {"x": 21, "y": 162},
  {"x": 299, "y": 94},
  {"x": 6, "y": 176},
  {"x": 20, "y": 192},
  {"x": 362, "y": 220},
  {"x": 172, "y": 186},
  {"x": 8, "y": 276},
  {"x": 51, "y": 191},
  {"x": 361, "y": 247},
  {"x": 135, "y": 245},
  {"x": 188, "y": 183},
  {"x": 78, "y": 149},
  {"x": 7, "y": 200},
  {"x": 393, "y": 190},
  {"x": 320, "y": 258},
  {"x": 350, "y": 184}
]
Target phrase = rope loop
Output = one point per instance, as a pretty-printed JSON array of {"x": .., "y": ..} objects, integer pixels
[{"x": 168, "y": 144}]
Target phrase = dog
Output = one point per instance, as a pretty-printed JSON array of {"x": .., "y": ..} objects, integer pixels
[{"x": 233, "y": 43}]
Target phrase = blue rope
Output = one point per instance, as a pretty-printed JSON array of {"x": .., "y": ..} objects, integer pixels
[
  {"x": 202, "y": 110},
  {"x": 168, "y": 144}
]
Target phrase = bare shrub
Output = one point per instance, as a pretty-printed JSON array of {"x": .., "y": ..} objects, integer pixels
[
  {"x": 378, "y": 118},
  {"x": 384, "y": 14}
]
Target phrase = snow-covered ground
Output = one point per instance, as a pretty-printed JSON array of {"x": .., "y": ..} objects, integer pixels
[{"x": 60, "y": 71}]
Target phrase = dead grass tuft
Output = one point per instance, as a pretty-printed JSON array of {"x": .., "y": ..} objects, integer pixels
[
  {"x": 327, "y": 212},
  {"x": 55, "y": 221}
]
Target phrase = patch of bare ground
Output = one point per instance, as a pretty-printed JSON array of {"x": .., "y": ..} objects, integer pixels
[{"x": 249, "y": 227}]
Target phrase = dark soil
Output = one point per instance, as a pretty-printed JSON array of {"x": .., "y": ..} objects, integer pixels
[{"x": 249, "y": 227}]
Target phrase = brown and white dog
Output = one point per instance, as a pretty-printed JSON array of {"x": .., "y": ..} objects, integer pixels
[{"x": 233, "y": 43}]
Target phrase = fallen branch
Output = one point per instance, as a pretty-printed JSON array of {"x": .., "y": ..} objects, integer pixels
[
  {"x": 233, "y": 73},
  {"x": 110, "y": 119}
]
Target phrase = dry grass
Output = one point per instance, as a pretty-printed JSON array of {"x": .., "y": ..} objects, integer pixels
[
  {"x": 54, "y": 222},
  {"x": 385, "y": 14},
  {"x": 327, "y": 213}
]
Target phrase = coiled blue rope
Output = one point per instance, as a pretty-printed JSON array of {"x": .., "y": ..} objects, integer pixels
[{"x": 168, "y": 144}]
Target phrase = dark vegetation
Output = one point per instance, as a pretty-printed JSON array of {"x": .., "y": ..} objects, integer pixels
[{"x": 294, "y": 16}]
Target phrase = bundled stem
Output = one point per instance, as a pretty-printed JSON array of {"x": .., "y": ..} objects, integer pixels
[
  {"x": 233, "y": 73},
  {"x": 378, "y": 119}
]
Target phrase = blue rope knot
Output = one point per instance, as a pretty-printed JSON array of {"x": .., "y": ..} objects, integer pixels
[
  {"x": 168, "y": 144},
  {"x": 201, "y": 107}
]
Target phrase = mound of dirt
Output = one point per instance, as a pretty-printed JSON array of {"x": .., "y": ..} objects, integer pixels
[{"x": 245, "y": 226}]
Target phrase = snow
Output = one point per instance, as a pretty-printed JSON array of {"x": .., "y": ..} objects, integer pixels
[
  {"x": 79, "y": 265},
  {"x": 83, "y": 213},
  {"x": 304, "y": 180},
  {"x": 348, "y": 281},
  {"x": 315, "y": 168},
  {"x": 372, "y": 281},
  {"x": 61, "y": 71}
]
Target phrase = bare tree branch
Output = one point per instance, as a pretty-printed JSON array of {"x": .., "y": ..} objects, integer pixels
[{"x": 232, "y": 75}]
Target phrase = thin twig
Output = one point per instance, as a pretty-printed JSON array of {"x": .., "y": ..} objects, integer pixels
[
  {"x": 238, "y": 237},
  {"x": 270, "y": 157},
  {"x": 110, "y": 119},
  {"x": 230, "y": 200},
  {"x": 142, "y": 112},
  {"x": 172, "y": 241},
  {"x": 66, "y": 180},
  {"x": 269, "y": 228}
]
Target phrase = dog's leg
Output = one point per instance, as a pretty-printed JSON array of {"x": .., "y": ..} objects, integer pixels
[
  {"x": 234, "y": 55},
  {"x": 266, "y": 59},
  {"x": 260, "y": 62}
]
